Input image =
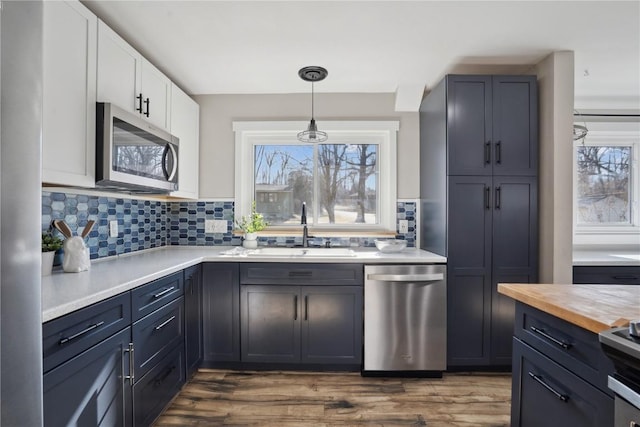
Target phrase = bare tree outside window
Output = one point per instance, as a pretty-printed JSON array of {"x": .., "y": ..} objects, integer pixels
[
  {"x": 346, "y": 176},
  {"x": 603, "y": 184}
]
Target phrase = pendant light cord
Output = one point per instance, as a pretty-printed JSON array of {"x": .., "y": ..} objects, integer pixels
[{"x": 312, "y": 99}]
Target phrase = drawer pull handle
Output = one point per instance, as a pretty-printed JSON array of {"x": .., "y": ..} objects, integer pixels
[
  {"x": 625, "y": 277},
  {"x": 562, "y": 344},
  {"x": 160, "y": 380},
  {"x": 300, "y": 273},
  {"x": 165, "y": 323},
  {"x": 540, "y": 381},
  {"x": 82, "y": 332},
  {"x": 166, "y": 291}
]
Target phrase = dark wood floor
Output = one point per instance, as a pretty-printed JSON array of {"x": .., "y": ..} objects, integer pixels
[{"x": 216, "y": 397}]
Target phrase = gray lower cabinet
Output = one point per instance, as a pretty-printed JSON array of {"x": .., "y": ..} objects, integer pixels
[
  {"x": 193, "y": 318},
  {"x": 221, "y": 312},
  {"x": 301, "y": 324},
  {"x": 302, "y": 314},
  {"x": 117, "y": 362},
  {"x": 92, "y": 388},
  {"x": 559, "y": 375}
]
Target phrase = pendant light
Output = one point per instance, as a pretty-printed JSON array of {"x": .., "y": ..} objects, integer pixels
[{"x": 312, "y": 134}]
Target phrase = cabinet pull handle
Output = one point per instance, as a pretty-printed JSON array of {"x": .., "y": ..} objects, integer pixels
[
  {"x": 139, "y": 98},
  {"x": 164, "y": 376},
  {"x": 498, "y": 191},
  {"x": 295, "y": 307},
  {"x": 487, "y": 196},
  {"x": 540, "y": 381},
  {"x": 625, "y": 277},
  {"x": 165, "y": 323},
  {"x": 146, "y": 101},
  {"x": 164, "y": 292},
  {"x": 300, "y": 273},
  {"x": 131, "y": 377},
  {"x": 306, "y": 307},
  {"x": 556, "y": 341},
  {"x": 487, "y": 152},
  {"x": 82, "y": 332},
  {"x": 498, "y": 152}
]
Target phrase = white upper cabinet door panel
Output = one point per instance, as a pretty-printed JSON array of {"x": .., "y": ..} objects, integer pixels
[
  {"x": 185, "y": 124},
  {"x": 119, "y": 70},
  {"x": 69, "y": 94},
  {"x": 156, "y": 92}
]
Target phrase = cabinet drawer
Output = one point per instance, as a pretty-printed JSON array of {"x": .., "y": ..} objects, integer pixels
[
  {"x": 91, "y": 389},
  {"x": 156, "y": 333},
  {"x": 150, "y": 297},
  {"x": 571, "y": 346},
  {"x": 301, "y": 274},
  {"x": 67, "y": 336},
  {"x": 617, "y": 275},
  {"x": 546, "y": 394},
  {"x": 153, "y": 391}
]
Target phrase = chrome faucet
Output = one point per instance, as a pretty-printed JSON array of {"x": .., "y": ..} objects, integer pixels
[{"x": 305, "y": 231}]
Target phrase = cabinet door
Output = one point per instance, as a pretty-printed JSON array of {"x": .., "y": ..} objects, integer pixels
[
  {"x": 221, "y": 312},
  {"x": 69, "y": 94},
  {"x": 154, "y": 391},
  {"x": 91, "y": 389},
  {"x": 469, "y": 118},
  {"x": 156, "y": 93},
  {"x": 185, "y": 123},
  {"x": 515, "y": 254},
  {"x": 515, "y": 125},
  {"x": 546, "y": 394},
  {"x": 469, "y": 271},
  {"x": 270, "y": 323},
  {"x": 332, "y": 324},
  {"x": 193, "y": 318},
  {"x": 118, "y": 70}
]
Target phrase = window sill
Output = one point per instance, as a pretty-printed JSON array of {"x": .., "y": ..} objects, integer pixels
[{"x": 319, "y": 232}]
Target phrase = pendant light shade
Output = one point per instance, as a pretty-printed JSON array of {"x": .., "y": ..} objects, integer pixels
[{"x": 312, "y": 134}]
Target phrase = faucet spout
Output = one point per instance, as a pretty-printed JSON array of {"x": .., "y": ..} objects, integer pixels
[{"x": 303, "y": 221}]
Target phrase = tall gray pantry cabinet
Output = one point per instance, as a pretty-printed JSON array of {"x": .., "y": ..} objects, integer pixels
[{"x": 479, "y": 205}]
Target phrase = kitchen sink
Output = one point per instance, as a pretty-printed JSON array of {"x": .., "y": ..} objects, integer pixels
[{"x": 302, "y": 252}]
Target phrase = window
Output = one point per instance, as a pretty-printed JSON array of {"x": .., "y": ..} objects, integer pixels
[
  {"x": 347, "y": 182},
  {"x": 606, "y": 185}
]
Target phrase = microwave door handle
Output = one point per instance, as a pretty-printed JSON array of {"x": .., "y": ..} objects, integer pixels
[{"x": 165, "y": 155}]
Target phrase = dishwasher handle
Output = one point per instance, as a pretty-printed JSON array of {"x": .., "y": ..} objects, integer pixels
[{"x": 432, "y": 277}]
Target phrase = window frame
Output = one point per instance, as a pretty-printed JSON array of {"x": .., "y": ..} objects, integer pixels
[
  {"x": 248, "y": 134},
  {"x": 610, "y": 234}
]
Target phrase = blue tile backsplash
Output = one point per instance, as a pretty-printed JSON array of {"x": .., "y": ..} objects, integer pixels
[{"x": 145, "y": 224}]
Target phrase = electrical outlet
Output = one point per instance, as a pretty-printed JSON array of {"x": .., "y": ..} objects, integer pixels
[
  {"x": 215, "y": 226},
  {"x": 219, "y": 226},
  {"x": 403, "y": 226},
  {"x": 113, "y": 228}
]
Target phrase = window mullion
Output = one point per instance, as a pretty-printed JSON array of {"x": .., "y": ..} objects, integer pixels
[{"x": 316, "y": 185}]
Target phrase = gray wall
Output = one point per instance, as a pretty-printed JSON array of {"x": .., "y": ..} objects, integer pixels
[
  {"x": 20, "y": 259},
  {"x": 555, "y": 80},
  {"x": 217, "y": 112}
]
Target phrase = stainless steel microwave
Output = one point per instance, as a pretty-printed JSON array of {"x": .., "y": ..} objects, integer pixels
[{"x": 132, "y": 154}]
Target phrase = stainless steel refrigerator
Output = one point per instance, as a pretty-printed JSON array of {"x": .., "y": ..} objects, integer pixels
[{"x": 20, "y": 213}]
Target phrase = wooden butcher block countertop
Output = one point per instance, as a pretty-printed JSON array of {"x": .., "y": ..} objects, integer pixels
[{"x": 592, "y": 307}]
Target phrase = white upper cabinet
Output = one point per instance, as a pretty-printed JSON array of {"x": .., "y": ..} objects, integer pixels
[
  {"x": 185, "y": 124},
  {"x": 128, "y": 80},
  {"x": 69, "y": 94}
]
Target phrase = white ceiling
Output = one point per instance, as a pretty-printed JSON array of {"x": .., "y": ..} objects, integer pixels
[{"x": 214, "y": 47}]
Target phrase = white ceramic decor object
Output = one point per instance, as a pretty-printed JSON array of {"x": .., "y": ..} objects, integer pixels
[
  {"x": 250, "y": 240},
  {"x": 76, "y": 255}
]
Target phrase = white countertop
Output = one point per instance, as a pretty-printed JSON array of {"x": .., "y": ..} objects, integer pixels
[
  {"x": 593, "y": 257},
  {"x": 63, "y": 293}
]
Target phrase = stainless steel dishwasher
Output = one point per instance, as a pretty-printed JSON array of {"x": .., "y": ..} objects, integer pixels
[{"x": 405, "y": 319}]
